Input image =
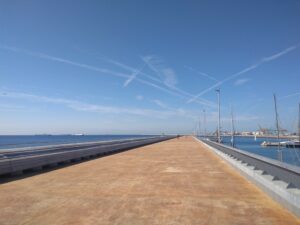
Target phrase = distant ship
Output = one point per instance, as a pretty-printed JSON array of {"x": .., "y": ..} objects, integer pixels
[{"x": 78, "y": 134}]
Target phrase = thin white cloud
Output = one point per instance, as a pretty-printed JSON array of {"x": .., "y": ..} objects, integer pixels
[
  {"x": 169, "y": 75},
  {"x": 66, "y": 61},
  {"x": 160, "y": 104},
  {"x": 246, "y": 70},
  {"x": 129, "y": 80},
  {"x": 240, "y": 82},
  {"x": 201, "y": 73},
  {"x": 279, "y": 54},
  {"x": 132, "y": 77},
  {"x": 164, "y": 72},
  {"x": 151, "y": 61},
  {"x": 96, "y": 69},
  {"x": 80, "y": 106},
  {"x": 132, "y": 70},
  {"x": 169, "y": 89},
  {"x": 290, "y": 95},
  {"x": 14, "y": 108},
  {"x": 94, "y": 108},
  {"x": 200, "y": 100}
]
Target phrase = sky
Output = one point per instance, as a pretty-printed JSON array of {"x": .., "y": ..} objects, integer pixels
[{"x": 147, "y": 67}]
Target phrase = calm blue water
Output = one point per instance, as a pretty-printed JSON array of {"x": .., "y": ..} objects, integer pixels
[
  {"x": 18, "y": 141},
  {"x": 291, "y": 156}
]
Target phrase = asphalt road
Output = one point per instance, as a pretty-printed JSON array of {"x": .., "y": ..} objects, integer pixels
[{"x": 26, "y": 152}]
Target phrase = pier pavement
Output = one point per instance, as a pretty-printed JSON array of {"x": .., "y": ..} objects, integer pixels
[{"x": 174, "y": 182}]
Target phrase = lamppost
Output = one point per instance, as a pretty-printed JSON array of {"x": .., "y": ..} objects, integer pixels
[
  {"x": 219, "y": 115},
  {"x": 204, "y": 122}
]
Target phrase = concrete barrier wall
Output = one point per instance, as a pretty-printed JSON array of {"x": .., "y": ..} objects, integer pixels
[
  {"x": 17, "y": 165},
  {"x": 281, "y": 191},
  {"x": 283, "y": 171}
]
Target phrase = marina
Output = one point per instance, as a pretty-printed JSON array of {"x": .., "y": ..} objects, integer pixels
[
  {"x": 149, "y": 112},
  {"x": 290, "y": 155}
]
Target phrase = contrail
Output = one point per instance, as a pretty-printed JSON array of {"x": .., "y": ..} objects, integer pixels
[
  {"x": 246, "y": 70},
  {"x": 96, "y": 69},
  {"x": 147, "y": 60},
  {"x": 168, "y": 89},
  {"x": 128, "y": 81},
  {"x": 201, "y": 101},
  {"x": 201, "y": 73},
  {"x": 133, "y": 76},
  {"x": 66, "y": 61},
  {"x": 290, "y": 95},
  {"x": 133, "y": 70}
]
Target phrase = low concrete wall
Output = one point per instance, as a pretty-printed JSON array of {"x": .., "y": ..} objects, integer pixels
[
  {"x": 280, "y": 170},
  {"x": 285, "y": 194},
  {"x": 17, "y": 165}
]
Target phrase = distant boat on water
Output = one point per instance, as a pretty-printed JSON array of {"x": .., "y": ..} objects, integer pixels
[
  {"x": 293, "y": 144},
  {"x": 273, "y": 144},
  {"x": 278, "y": 143},
  {"x": 287, "y": 144},
  {"x": 78, "y": 134}
]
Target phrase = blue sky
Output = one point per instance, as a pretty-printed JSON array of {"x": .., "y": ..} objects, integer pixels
[{"x": 144, "y": 67}]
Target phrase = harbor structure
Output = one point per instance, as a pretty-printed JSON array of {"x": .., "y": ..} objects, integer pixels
[{"x": 166, "y": 183}]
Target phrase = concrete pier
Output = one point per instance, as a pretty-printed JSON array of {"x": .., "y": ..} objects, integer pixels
[{"x": 173, "y": 182}]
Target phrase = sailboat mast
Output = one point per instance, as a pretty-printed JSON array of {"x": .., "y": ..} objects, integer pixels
[
  {"x": 276, "y": 114},
  {"x": 299, "y": 123},
  {"x": 199, "y": 127},
  {"x": 232, "y": 128},
  {"x": 277, "y": 127}
]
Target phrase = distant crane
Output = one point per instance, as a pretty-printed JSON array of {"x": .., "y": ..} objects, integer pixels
[{"x": 264, "y": 131}]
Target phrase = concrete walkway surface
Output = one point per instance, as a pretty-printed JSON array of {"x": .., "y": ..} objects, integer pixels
[{"x": 176, "y": 182}]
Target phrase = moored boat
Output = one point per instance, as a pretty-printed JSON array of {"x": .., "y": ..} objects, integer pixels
[
  {"x": 272, "y": 144},
  {"x": 293, "y": 144}
]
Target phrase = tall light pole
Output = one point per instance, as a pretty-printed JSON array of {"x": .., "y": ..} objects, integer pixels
[
  {"x": 299, "y": 122},
  {"x": 219, "y": 117},
  {"x": 204, "y": 122}
]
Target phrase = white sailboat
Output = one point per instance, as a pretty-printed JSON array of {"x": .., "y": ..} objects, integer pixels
[
  {"x": 277, "y": 143},
  {"x": 295, "y": 143}
]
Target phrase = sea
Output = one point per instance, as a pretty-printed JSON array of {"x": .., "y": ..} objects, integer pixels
[
  {"x": 249, "y": 144},
  {"x": 20, "y": 141}
]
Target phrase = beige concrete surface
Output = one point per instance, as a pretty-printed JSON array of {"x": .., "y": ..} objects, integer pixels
[{"x": 172, "y": 182}]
